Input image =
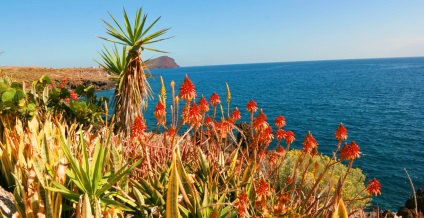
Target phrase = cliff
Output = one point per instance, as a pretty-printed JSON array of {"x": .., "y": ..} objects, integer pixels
[{"x": 162, "y": 62}]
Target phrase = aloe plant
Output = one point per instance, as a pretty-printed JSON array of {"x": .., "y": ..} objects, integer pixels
[{"x": 94, "y": 178}]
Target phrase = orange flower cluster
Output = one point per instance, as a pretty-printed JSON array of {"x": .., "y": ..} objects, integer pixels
[
  {"x": 160, "y": 113},
  {"x": 208, "y": 121},
  {"x": 266, "y": 136},
  {"x": 236, "y": 115},
  {"x": 191, "y": 114},
  {"x": 172, "y": 131},
  {"x": 203, "y": 104},
  {"x": 223, "y": 127},
  {"x": 242, "y": 204},
  {"x": 252, "y": 106},
  {"x": 273, "y": 159},
  {"x": 259, "y": 123},
  {"x": 280, "y": 208},
  {"x": 280, "y": 121},
  {"x": 373, "y": 187},
  {"x": 214, "y": 99},
  {"x": 62, "y": 85},
  {"x": 279, "y": 134},
  {"x": 280, "y": 150},
  {"x": 74, "y": 95},
  {"x": 341, "y": 133},
  {"x": 187, "y": 91},
  {"x": 194, "y": 114},
  {"x": 137, "y": 129},
  {"x": 309, "y": 143},
  {"x": 262, "y": 188},
  {"x": 289, "y": 137},
  {"x": 350, "y": 152}
]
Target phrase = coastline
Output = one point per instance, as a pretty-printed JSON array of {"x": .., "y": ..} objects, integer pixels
[{"x": 76, "y": 76}]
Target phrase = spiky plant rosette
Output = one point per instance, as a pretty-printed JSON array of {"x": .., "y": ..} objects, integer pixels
[{"x": 133, "y": 89}]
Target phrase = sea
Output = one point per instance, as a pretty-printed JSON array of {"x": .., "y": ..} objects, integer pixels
[{"x": 379, "y": 101}]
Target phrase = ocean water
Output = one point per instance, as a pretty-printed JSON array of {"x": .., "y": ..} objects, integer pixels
[{"x": 380, "y": 102}]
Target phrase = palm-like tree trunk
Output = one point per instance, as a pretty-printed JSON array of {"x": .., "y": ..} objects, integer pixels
[{"x": 131, "y": 94}]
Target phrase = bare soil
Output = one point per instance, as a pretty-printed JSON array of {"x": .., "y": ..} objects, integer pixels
[{"x": 76, "y": 76}]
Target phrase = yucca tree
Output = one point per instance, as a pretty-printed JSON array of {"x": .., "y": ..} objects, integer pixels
[{"x": 132, "y": 90}]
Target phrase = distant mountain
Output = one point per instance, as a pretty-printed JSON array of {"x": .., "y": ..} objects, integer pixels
[{"x": 162, "y": 63}]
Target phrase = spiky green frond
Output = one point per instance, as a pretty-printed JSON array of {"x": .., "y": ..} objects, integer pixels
[
  {"x": 134, "y": 36},
  {"x": 114, "y": 62}
]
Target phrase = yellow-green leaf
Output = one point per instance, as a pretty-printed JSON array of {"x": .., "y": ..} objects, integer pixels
[{"x": 172, "y": 193}]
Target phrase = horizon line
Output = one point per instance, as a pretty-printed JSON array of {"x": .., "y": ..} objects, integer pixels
[{"x": 294, "y": 61}]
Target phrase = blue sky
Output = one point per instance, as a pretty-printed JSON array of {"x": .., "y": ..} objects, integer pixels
[{"x": 64, "y": 33}]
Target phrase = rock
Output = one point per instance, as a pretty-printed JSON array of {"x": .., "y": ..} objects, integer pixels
[
  {"x": 405, "y": 213},
  {"x": 7, "y": 206},
  {"x": 162, "y": 62},
  {"x": 388, "y": 214},
  {"x": 409, "y": 209},
  {"x": 243, "y": 134}
]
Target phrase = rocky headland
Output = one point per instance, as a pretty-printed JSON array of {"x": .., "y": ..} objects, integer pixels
[{"x": 162, "y": 63}]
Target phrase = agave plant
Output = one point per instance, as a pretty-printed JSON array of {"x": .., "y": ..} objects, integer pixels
[{"x": 132, "y": 89}]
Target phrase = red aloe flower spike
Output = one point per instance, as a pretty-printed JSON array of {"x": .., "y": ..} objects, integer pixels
[
  {"x": 208, "y": 121},
  {"x": 223, "y": 127},
  {"x": 280, "y": 133},
  {"x": 252, "y": 106},
  {"x": 289, "y": 137},
  {"x": 262, "y": 188},
  {"x": 266, "y": 135},
  {"x": 280, "y": 150},
  {"x": 214, "y": 99},
  {"x": 242, "y": 204},
  {"x": 260, "y": 121},
  {"x": 185, "y": 115},
  {"x": 137, "y": 129},
  {"x": 280, "y": 121},
  {"x": 350, "y": 152},
  {"x": 194, "y": 115},
  {"x": 159, "y": 112},
  {"x": 273, "y": 160},
  {"x": 203, "y": 104},
  {"x": 373, "y": 187},
  {"x": 236, "y": 115},
  {"x": 171, "y": 131},
  {"x": 61, "y": 86},
  {"x": 187, "y": 91},
  {"x": 261, "y": 155},
  {"x": 341, "y": 133},
  {"x": 309, "y": 143}
]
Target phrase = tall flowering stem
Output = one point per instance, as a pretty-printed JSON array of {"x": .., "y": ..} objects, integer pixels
[
  {"x": 187, "y": 90},
  {"x": 309, "y": 143},
  {"x": 174, "y": 109},
  {"x": 340, "y": 135},
  {"x": 214, "y": 100},
  {"x": 228, "y": 99}
]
